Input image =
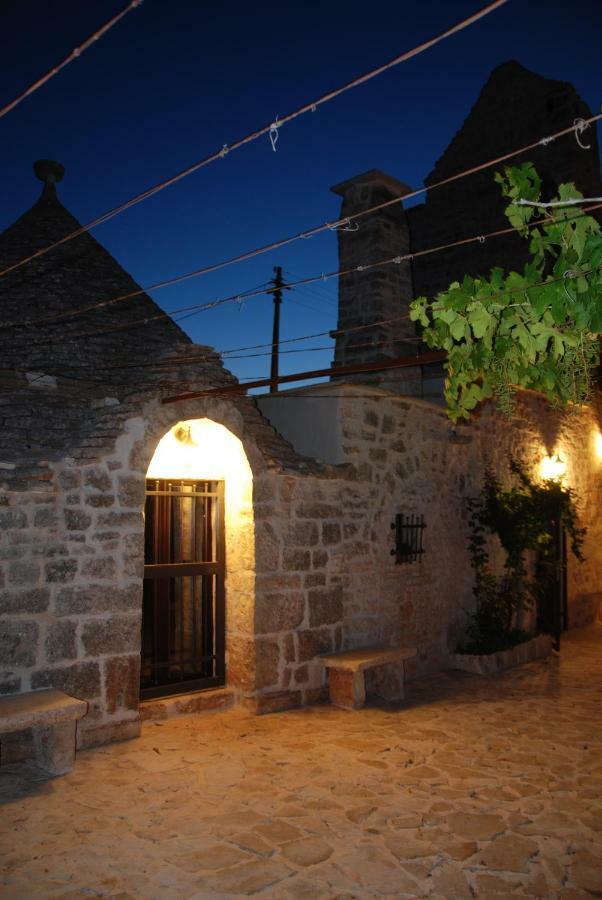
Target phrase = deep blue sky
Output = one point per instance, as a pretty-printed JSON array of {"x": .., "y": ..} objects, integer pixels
[{"x": 176, "y": 80}]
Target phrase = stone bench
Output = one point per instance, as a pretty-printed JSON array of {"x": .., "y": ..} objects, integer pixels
[
  {"x": 348, "y": 669},
  {"x": 53, "y": 717}
]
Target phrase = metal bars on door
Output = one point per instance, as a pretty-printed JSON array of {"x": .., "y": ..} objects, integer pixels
[{"x": 183, "y": 600}]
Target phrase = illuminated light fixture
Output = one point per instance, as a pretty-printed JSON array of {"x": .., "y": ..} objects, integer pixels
[
  {"x": 598, "y": 444},
  {"x": 205, "y": 450},
  {"x": 552, "y": 468},
  {"x": 183, "y": 434}
]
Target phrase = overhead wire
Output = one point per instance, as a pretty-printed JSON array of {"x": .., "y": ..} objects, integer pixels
[
  {"x": 238, "y": 388},
  {"x": 319, "y": 292},
  {"x": 205, "y": 357},
  {"x": 275, "y": 245},
  {"x": 226, "y": 354},
  {"x": 75, "y": 54},
  {"x": 265, "y": 130},
  {"x": 429, "y": 357},
  {"x": 171, "y": 360},
  {"x": 320, "y": 312},
  {"x": 323, "y": 276}
]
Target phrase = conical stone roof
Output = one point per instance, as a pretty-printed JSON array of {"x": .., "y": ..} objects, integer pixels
[{"x": 77, "y": 274}]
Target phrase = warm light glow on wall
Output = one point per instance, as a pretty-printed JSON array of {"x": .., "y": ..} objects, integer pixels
[
  {"x": 552, "y": 468},
  {"x": 202, "y": 449},
  {"x": 598, "y": 444}
]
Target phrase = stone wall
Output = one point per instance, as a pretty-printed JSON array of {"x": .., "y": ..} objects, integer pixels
[
  {"x": 325, "y": 575},
  {"x": 72, "y": 556},
  {"x": 71, "y": 548}
]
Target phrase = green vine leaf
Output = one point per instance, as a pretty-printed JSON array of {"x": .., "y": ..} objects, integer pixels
[{"x": 537, "y": 329}]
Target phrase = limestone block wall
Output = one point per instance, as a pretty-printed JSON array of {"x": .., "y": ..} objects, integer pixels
[
  {"x": 71, "y": 569},
  {"x": 70, "y": 599},
  {"x": 325, "y": 575},
  {"x": 309, "y": 572}
]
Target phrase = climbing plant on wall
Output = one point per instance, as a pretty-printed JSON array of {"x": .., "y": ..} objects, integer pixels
[
  {"x": 539, "y": 329},
  {"x": 523, "y": 518}
]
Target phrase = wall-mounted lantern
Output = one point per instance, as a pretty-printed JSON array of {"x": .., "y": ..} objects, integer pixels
[{"x": 552, "y": 468}]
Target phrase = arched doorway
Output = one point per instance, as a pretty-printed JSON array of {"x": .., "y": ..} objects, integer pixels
[{"x": 198, "y": 520}]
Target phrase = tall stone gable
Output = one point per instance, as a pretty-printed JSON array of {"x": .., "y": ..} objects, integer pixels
[{"x": 515, "y": 108}]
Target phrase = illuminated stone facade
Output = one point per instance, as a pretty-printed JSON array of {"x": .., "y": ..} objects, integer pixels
[
  {"x": 311, "y": 571},
  {"x": 309, "y": 568}
]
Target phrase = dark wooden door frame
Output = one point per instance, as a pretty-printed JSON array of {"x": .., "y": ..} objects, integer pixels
[{"x": 161, "y": 574}]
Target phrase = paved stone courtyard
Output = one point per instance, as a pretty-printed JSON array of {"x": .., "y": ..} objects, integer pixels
[{"x": 474, "y": 788}]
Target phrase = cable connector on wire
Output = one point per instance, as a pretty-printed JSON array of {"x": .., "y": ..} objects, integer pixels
[
  {"x": 274, "y": 133},
  {"x": 580, "y": 126},
  {"x": 345, "y": 225},
  {"x": 565, "y": 275}
]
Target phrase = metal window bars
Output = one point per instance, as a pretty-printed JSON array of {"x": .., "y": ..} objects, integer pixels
[{"x": 409, "y": 532}]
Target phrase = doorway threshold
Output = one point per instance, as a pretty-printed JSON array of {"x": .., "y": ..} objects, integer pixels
[{"x": 186, "y": 704}]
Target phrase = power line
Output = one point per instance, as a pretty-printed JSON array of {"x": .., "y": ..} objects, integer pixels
[
  {"x": 424, "y": 359},
  {"x": 172, "y": 360},
  {"x": 428, "y": 358},
  {"x": 196, "y": 308},
  {"x": 164, "y": 364},
  {"x": 274, "y": 126},
  {"x": 275, "y": 245},
  {"x": 321, "y": 312},
  {"x": 75, "y": 54},
  {"x": 168, "y": 361}
]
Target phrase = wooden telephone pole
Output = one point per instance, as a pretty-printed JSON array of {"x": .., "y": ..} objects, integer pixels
[{"x": 279, "y": 286}]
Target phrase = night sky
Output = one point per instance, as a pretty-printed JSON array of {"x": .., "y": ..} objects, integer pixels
[{"x": 174, "y": 81}]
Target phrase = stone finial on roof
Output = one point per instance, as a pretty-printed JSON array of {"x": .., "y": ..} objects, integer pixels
[{"x": 50, "y": 172}]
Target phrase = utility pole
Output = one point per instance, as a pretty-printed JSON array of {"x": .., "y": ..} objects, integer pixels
[{"x": 278, "y": 283}]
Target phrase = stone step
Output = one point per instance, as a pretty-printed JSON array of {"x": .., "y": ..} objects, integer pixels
[{"x": 186, "y": 704}]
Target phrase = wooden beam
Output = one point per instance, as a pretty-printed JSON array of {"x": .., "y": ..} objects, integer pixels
[{"x": 424, "y": 359}]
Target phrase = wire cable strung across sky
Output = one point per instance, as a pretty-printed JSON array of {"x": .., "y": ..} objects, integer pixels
[
  {"x": 235, "y": 298},
  {"x": 176, "y": 361},
  {"x": 75, "y": 54},
  {"x": 203, "y": 357},
  {"x": 270, "y": 129},
  {"x": 428, "y": 358},
  {"x": 275, "y": 245},
  {"x": 186, "y": 311}
]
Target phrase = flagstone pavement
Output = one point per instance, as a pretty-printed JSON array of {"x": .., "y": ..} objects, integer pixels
[{"x": 475, "y": 787}]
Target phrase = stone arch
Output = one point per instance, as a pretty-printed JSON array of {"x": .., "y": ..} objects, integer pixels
[{"x": 237, "y": 461}]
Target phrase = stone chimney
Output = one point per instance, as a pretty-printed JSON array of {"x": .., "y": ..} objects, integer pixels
[{"x": 380, "y": 293}]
